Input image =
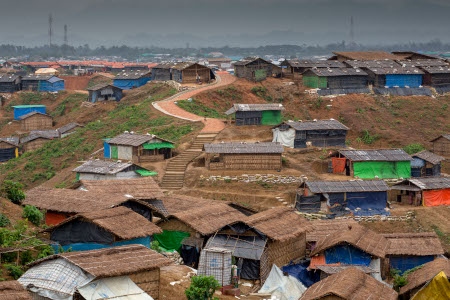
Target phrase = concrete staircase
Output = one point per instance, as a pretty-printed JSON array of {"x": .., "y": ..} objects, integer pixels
[{"x": 173, "y": 178}]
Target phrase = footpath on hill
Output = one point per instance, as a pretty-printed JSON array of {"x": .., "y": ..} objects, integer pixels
[{"x": 169, "y": 107}]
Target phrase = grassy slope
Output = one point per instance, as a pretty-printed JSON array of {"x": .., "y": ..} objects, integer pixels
[{"x": 133, "y": 113}]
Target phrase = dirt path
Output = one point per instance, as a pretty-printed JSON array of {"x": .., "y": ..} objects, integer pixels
[{"x": 169, "y": 107}]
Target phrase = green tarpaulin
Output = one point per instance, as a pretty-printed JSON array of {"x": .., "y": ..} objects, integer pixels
[
  {"x": 114, "y": 152},
  {"x": 171, "y": 240},
  {"x": 152, "y": 146},
  {"x": 315, "y": 82},
  {"x": 271, "y": 117},
  {"x": 382, "y": 169},
  {"x": 146, "y": 173}
]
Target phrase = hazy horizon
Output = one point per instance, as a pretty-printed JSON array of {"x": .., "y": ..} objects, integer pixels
[{"x": 216, "y": 23}]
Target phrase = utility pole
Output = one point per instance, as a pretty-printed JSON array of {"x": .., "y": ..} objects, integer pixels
[
  {"x": 352, "y": 32},
  {"x": 50, "y": 31},
  {"x": 65, "y": 35}
]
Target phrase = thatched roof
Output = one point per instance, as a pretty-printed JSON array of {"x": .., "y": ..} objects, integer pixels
[
  {"x": 322, "y": 229},
  {"x": 13, "y": 290},
  {"x": 142, "y": 188},
  {"x": 358, "y": 236},
  {"x": 71, "y": 201},
  {"x": 350, "y": 283},
  {"x": 426, "y": 273},
  {"x": 420, "y": 244},
  {"x": 208, "y": 219},
  {"x": 180, "y": 203},
  {"x": 279, "y": 224},
  {"x": 111, "y": 262},
  {"x": 120, "y": 221}
]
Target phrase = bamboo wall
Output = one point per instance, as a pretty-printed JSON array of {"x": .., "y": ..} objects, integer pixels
[
  {"x": 36, "y": 122},
  {"x": 148, "y": 281},
  {"x": 189, "y": 75},
  {"x": 246, "y": 162},
  {"x": 441, "y": 146},
  {"x": 34, "y": 144},
  {"x": 4, "y": 145},
  {"x": 176, "y": 225}
]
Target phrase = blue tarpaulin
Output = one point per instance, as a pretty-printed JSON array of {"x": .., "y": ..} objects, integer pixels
[
  {"x": 347, "y": 254},
  {"x": 368, "y": 203},
  {"x": 145, "y": 241},
  {"x": 128, "y": 84},
  {"x": 403, "y": 80},
  {"x": 21, "y": 110},
  {"x": 54, "y": 84},
  {"x": 404, "y": 263},
  {"x": 106, "y": 149},
  {"x": 299, "y": 271}
]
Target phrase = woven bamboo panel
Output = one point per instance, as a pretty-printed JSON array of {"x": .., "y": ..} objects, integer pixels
[
  {"x": 282, "y": 253},
  {"x": 264, "y": 266},
  {"x": 148, "y": 281},
  {"x": 35, "y": 144},
  {"x": 37, "y": 122}
]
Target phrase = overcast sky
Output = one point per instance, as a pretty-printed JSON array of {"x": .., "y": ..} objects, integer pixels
[{"x": 223, "y": 22}]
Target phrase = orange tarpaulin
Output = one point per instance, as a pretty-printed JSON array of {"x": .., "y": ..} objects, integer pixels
[
  {"x": 338, "y": 164},
  {"x": 436, "y": 197}
]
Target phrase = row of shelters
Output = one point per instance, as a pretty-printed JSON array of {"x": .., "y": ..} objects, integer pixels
[{"x": 10, "y": 83}]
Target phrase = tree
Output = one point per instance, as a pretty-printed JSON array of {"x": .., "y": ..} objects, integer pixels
[
  {"x": 202, "y": 288},
  {"x": 13, "y": 191}
]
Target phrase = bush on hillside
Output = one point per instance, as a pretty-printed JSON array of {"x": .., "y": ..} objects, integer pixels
[
  {"x": 33, "y": 214},
  {"x": 13, "y": 191},
  {"x": 413, "y": 148},
  {"x": 4, "y": 221},
  {"x": 202, "y": 287}
]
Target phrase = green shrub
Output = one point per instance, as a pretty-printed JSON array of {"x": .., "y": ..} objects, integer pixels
[
  {"x": 45, "y": 251},
  {"x": 33, "y": 214},
  {"x": 368, "y": 138},
  {"x": 154, "y": 245},
  {"x": 13, "y": 191},
  {"x": 202, "y": 288},
  {"x": 413, "y": 148},
  {"x": 26, "y": 257},
  {"x": 4, "y": 221},
  {"x": 14, "y": 271}
]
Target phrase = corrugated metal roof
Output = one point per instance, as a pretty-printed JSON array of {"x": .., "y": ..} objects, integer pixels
[
  {"x": 33, "y": 77},
  {"x": 366, "y": 55},
  {"x": 376, "y": 155},
  {"x": 102, "y": 167},
  {"x": 310, "y": 63},
  {"x": 34, "y": 136},
  {"x": 384, "y": 63},
  {"x": 431, "y": 183},
  {"x": 437, "y": 70},
  {"x": 423, "y": 63},
  {"x": 252, "y": 148},
  {"x": 429, "y": 157},
  {"x": 319, "y": 187},
  {"x": 395, "y": 70},
  {"x": 102, "y": 86},
  {"x": 332, "y": 72},
  {"x": 12, "y": 140},
  {"x": 254, "y": 107},
  {"x": 131, "y": 139},
  {"x": 68, "y": 127},
  {"x": 317, "y": 125},
  {"x": 133, "y": 75},
  {"x": 31, "y": 114},
  {"x": 247, "y": 60},
  {"x": 8, "y": 77}
]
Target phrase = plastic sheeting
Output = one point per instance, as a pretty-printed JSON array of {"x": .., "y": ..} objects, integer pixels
[
  {"x": 250, "y": 247},
  {"x": 55, "y": 279},
  {"x": 308, "y": 204},
  {"x": 144, "y": 241},
  {"x": 285, "y": 137},
  {"x": 125, "y": 152},
  {"x": 171, "y": 240},
  {"x": 437, "y": 289},
  {"x": 162, "y": 145},
  {"x": 436, "y": 197},
  {"x": 106, "y": 149},
  {"x": 338, "y": 164},
  {"x": 127, "y": 84},
  {"x": 249, "y": 268},
  {"x": 282, "y": 287},
  {"x": 367, "y": 203},
  {"x": 403, "y": 80},
  {"x": 344, "y": 91},
  {"x": 78, "y": 231},
  {"x": 300, "y": 271},
  {"x": 402, "y": 91},
  {"x": 382, "y": 169},
  {"x": 271, "y": 117},
  {"x": 20, "y": 110},
  {"x": 315, "y": 82},
  {"x": 404, "y": 263},
  {"x": 117, "y": 288},
  {"x": 347, "y": 254}
]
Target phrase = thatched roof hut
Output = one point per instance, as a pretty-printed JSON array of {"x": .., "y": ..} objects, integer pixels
[
  {"x": 180, "y": 203},
  {"x": 140, "y": 188},
  {"x": 359, "y": 237},
  {"x": 136, "y": 261},
  {"x": 105, "y": 227},
  {"x": 350, "y": 283},
  {"x": 420, "y": 277},
  {"x": 13, "y": 290}
]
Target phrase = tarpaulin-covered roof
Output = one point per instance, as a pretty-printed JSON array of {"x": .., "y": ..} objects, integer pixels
[
  {"x": 429, "y": 157},
  {"x": 146, "y": 173},
  {"x": 254, "y": 107},
  {"x": 162, "y": 145},
  {"x": 250, "y": 247},
  {"x": 117, "y": 288},
  {"x": 396, "y": 70},
  {"x": 238, "y": 148},
  {"x": 317, "y": 125},
  {"x": 366, "y": 55},
  {"x": 133, "y": 75},
  {"x": 13, "y": 140},
  {"x": 346, "y": 186},
  {"x": 332, "y": 72},
  {"x": 423, "y": 63},
  {"x": 437, "y": 70},
  {"x": 376, "y": 155},
  {"x": 310, "y": 63},
  {"x": 372, "y": 63},
  {"x": 437, "y": 288}
]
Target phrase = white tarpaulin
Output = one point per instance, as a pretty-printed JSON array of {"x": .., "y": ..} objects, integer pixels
[
  {"x": 286, "y": 138},
  {"x": 117, "y": 288},
  {"x": 282, "y": 287},
  {"x": 125, "y": 152},
  {"x": 56, "y": 279}
]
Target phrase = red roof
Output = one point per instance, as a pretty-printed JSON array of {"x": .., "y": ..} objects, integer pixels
[{"x": 319, "y": 260}]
